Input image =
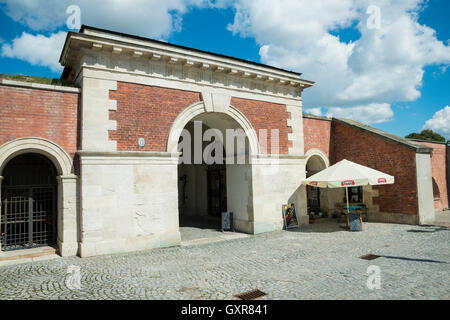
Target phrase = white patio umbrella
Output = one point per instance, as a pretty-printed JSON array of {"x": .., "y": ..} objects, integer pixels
[{"x": 346, "y": 174}]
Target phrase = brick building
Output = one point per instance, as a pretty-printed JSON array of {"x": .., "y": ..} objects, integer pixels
[
  {"x": 96, "y": 168},
  {"x": 419, "y": 167}
]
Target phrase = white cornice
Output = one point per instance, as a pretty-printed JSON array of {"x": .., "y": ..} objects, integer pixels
[{"x": 147, "y": 51}]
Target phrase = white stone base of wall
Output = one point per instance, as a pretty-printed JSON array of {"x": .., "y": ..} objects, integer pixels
[
  {"x": 276, "y": 182},
  {"x": 129, "y": 200},
  {"x": 400, "y": 218},
  {"x": 138, "y": 243}
]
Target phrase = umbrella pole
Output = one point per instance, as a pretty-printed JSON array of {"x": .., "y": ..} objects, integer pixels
[
  {"x": 348, "y": 208},
  {"x": 346, "y": 193}
]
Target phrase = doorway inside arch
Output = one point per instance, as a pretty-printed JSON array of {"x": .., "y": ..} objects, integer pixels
[
  {"x": 29, "y": 203},
  {"x": 314, "y": 165},
  {"x": 208, "y": 184}
]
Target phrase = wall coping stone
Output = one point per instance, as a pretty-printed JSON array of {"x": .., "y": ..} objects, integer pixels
[
  {"x": 38, "y": 86},
  {"x": 312, "y": 116},
  {"x": 129, "y": 154},
  {"x": 427, "y": 141}
]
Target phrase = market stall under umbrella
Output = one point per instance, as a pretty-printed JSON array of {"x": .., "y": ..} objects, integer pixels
[{"x": 346, "y": 174}]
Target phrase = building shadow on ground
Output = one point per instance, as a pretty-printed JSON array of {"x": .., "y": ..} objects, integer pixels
[
  {"x": 323, "y": 225},
  {"x": 412, "y": 259},
  {"x": 428, "y": 229}
]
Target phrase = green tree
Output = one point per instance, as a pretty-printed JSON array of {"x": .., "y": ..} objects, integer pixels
[{"x": 426, "y": 135}]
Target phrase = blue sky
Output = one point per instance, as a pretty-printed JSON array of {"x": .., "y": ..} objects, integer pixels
[{"x": 393, "y": 77}]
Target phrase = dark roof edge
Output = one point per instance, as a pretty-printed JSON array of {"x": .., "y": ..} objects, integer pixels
[
  {"x": 83, "y": 27},
  {"x": 312, "y": 116},
  {"x": 385, "y": 136}
]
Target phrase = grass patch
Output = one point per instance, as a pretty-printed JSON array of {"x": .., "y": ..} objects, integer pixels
[{"x": 41, "y": 80}]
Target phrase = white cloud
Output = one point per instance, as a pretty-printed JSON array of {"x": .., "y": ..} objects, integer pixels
[
  {"x": 369, "y": 114},
  {"x": 151, "y": 18},
  {"x": 37, "y": 49},
  {"x": 440, "y": 122},
  {"x": 384, "y": 65},
  {"x": 314, "y": 111}
]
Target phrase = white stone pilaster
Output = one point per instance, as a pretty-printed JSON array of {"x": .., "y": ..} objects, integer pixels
[
  {"x": 424, "y": 189},
  {"x": 95, "y": 114},
  {"x": 296, "y": 123},
  {"x": 67, "y": 215}
]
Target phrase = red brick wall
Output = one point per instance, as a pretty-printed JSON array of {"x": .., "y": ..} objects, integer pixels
[
  {"x": 364, "y": 148},
  {"x": 438, "y": 170},
  {"x": 26, "y": 112},
  {"x": 265, "y": 115},
  {"x": 317, "y": 135},
  {"x": 146, "y": 111}
]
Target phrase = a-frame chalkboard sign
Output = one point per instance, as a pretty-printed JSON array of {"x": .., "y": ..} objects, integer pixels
[{"x": 290, "y": 216}]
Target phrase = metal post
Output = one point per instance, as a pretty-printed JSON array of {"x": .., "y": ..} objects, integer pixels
[
  {"x": 346, "y": 193},
  {"x": 348, "y": 208},
  {"x": 30, "y": 217},
  {"x": 1, "y": 179}
]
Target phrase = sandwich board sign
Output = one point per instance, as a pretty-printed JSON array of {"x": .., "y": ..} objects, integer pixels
[
  {"x": 290, "y": 216},
  {"x": 227, "y": 221}
]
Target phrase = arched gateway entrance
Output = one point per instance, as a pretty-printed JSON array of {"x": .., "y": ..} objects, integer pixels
[
  {"x": 38, "y": 196},
  {"x": 214, "y": 171},
  {"x": 29, "y": 203}
]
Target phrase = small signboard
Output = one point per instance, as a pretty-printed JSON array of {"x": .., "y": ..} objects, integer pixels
[
  {"x": 227, "y": 221},
  {"x": 290, "y": 216},
  {"x": 355, "y": 222}
]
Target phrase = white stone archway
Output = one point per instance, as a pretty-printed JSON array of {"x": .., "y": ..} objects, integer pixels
[
  {"x": 199, "y": 108},
  {"x": 54, "y": 152},
  {"x": 67, "y": 185},
  {"x": 319, "y": 154}
]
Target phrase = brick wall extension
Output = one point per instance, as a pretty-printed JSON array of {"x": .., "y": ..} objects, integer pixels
[
  {"x": 373, "y": 151},
  {"x": 28, "y": 112},
  {"x": 149, "y": 112},
  {"x": 439, "y": 172},
  {"x": 317, "y": 135}
]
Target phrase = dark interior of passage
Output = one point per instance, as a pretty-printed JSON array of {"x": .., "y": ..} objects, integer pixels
[{"x": 29, "y": 203}]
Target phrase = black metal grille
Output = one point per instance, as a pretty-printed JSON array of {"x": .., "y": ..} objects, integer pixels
[
  {"x": 28, "y": 203},
  {"x": 369, "y": 257},
  {"x": 251, "y": 295},
  {"x": 28, "y": 217}
]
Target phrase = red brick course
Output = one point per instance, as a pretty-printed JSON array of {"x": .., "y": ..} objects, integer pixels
[
  {"x": 317, "y": 134},
  {"x": 438, "y": 170},
  {"x": 375, "y": 152},
  {"x": 266, "y": 115},
  {"x": 27, "y": 112},
  {"x": 149, "y": 112}
]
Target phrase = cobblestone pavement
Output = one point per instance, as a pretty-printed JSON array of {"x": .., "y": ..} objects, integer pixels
[{"x": 319, "y": 262}]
